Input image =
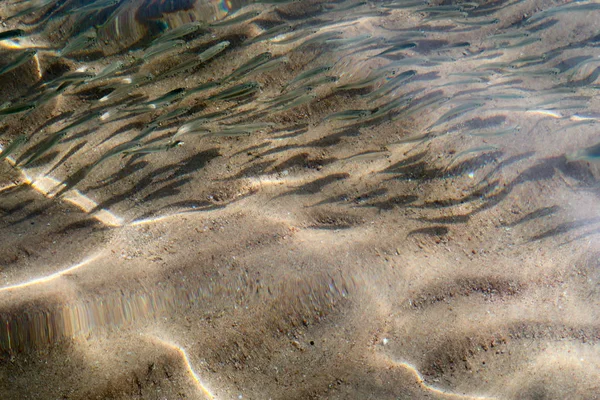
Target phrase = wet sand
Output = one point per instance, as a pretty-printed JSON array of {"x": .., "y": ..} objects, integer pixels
[{"x": 275, "y": 265}]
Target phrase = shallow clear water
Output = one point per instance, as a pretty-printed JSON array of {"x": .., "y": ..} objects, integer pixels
[{"x": 299, "y": 199}]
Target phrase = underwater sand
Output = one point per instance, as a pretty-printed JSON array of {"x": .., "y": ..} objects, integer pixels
[{"x": 275, "y": 266}]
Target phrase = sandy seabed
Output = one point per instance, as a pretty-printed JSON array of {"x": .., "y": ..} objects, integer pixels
[{"x": 446, "y": 262}]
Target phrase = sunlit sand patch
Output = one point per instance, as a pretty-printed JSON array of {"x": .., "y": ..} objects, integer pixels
[
  {"x": 11, "y": 44},
  {"x": 8, "y": 187},
  {"x": 203, "y": 389},
  {"x": 53, "y": 276},
  {"x": 421, "y": 382},
  {"x": 48, "y": 186}
]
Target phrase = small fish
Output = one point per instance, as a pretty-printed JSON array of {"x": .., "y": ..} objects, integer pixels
[
  {"x": 321, "y": 38},
  {"x": 270, "y": 33},
  {"x": 198, "y": 124},
  {"x": 477, "y": 23},
  {"x": 462, "y": 82},
  {"x": 324, "y": 80},
  {"x": 229, "y": 133},
  {"x": 71, "y": 77},
  {"x": 391, "y": 106},
  {"x": 434, "y": 101},
  {"x": 119, "y": 149},
  {"x": 194, "y": 125},
  {"x": 153, "y": 149},
  {"x": 524, "y": 42},
  {"x": 471, "y": 151},
  {"x": 310, "y": 73},
  {"x": 81, "y": 121},
  {"x": 348, "y": 41},
  {"x": 20, "y": 60},
  {"x": 12, "y": 146},
  {"x": 441, "y": 9},
  {"x": 12, "y": 34},
  {"x": 527, "y": 60},
  {"x": 539, "y": 72},
  {"x": 95, "y": 6},
  {"x": 398, "y": 47},
  {"x": 494, "y": 65},
  {"x": 298, "y": 102},
  {"x": 178, "y": 32},
  {"x": 79, "y": 43},
  {"x": 367, "y": 156},
  {"x": 236, "y": 19},
  {"x": 363, "y": 83},
  {"x": 499, "y": 132},
  {"x": 508, "y": 35},
  {"x": 29, "y": 10},
  {"x": 446, "y": 15},
  {"x": 147, "y": 131},
  {"x": 392, "y": 84},
  {"x": 270, "y": 65},
  {"x": 17, "y": 109},
  {"x": 253, "y": 127},
  {"x": 203, "y": 87},
  {"x": 295, "y": 36},
  {"x": 412, "y": 139},
  {"x": 107, "y": 71},
  {"x": 573, "y": 6},
  {"x": 290, "y": 96},
  {"x": 348, "y": 115},
  {"x": 250, "y": 65},
  {"x": 47, "y": 96},
  {"x": 182, "y": 67},
  {"x": 213, "y": 50},
  {"x": 404, "y": 4},
  {"x": 45, "y": 146},
  {"x": 473, "y": 73},
  {"x": 172, "y": 114},
  {"x": 454, "y": 112},
  {"x": 169, "y": 97},
  {"x": 162, "y": 48},
  {"x": 237, "y": 91},
  {"x": 330, "y": 8}
]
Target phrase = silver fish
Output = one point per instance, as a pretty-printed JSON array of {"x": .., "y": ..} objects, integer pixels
[
  {"x": 79, "y": 43},
  {"x": 298, "y": 102},
  {"x": 295, "y": 36},
  {"x": 270, "y": 33},
  {"x": 119, "y": 149},
  {"x": 236, "y": 91},
  {"x": 213, "y": 50},
  {"x": 13, "y": 146},
  {"x": 178, "y": 32},
  {"x": 20, "y": 60},
  {"x": 348, "y": 115},
  {"x": 290, "y": 96},
  {"x": 95, "y": 6},
  {"x": 454, "y": 112},
  {"x": 154, "y": 149},
  {"x": 270, "y": 65},
  {"x": 162, "y": 48},
  {"x": 236, "y": 19},
  {"x": 45, "y": 146},
  {"x": 470, "y": 151},
  {"x": 107, "y": 71},
  {"x": 250, "y": 65},
  {"x": 17, "y": 109},
  {"x": 12, "y": 34},
  {"x": 498, "y": 132},
  {"x": 309, "y": 74}
]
